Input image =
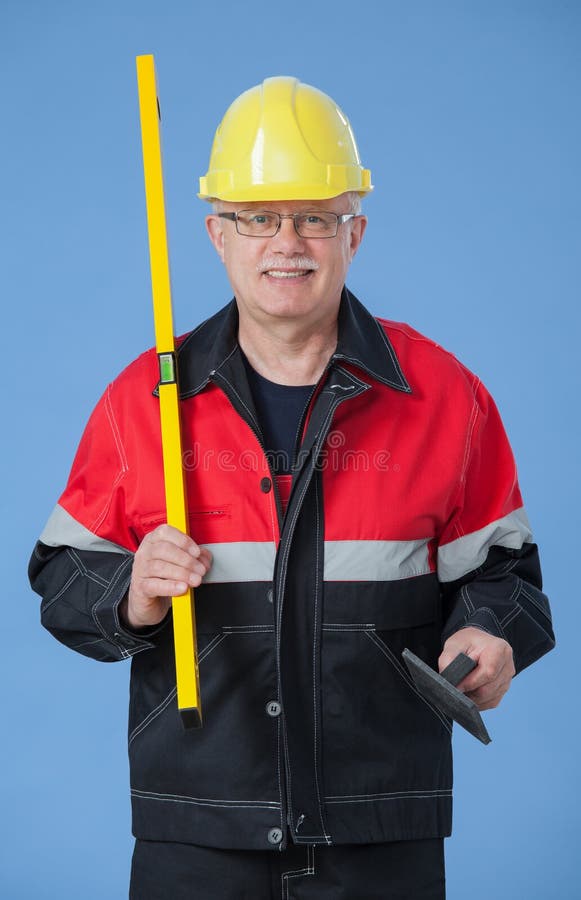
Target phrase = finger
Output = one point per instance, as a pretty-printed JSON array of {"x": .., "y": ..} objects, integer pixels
[
  {"x": 453, "y": 646},
  {"x": 481, "y": 676},
  {"x": 197, "y": 559},
  {"x": 492, "y": 691},
  {"x": 166, "y": 551},
  {"x": 163, "y": 570},
  {"x": 205, "y": 557},
  {"x": 174, "y": 536},
  {"x": 491, "y": 669},
  {"x": 162, "y": 587},
  {"x": 490, "y": 696}
]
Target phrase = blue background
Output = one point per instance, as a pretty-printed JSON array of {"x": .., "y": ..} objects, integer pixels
[{"x": 467, "y": 114}]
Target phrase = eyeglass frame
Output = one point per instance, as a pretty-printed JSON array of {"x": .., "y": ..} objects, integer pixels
[{"x": 340, "y": 217}]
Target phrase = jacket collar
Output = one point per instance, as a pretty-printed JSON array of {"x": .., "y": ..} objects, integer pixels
[{"x": 361, "y": 342}]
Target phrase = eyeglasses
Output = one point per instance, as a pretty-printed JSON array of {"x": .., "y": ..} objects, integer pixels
[{"x": 264, "y": 223}]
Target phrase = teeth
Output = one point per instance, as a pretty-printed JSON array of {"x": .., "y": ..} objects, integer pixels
[{"x": 282, "y": 273}]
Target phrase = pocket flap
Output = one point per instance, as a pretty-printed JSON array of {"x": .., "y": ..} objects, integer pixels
[{"x": 396, "y": 604}]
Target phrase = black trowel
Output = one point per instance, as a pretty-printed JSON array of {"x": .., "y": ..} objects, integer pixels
[{"x": 440, "y": 689}]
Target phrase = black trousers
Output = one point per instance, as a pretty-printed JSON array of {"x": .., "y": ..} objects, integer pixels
[{"x": 403, "y": 870}]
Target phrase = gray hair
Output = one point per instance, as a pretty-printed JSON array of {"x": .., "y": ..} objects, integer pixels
[{"x": 353, "y": 199}]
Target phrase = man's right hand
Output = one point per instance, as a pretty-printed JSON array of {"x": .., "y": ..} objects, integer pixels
[{"x": 166, "y": 564}]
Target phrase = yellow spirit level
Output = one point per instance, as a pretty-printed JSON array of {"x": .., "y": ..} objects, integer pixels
[{"x": 184, "y": 623}]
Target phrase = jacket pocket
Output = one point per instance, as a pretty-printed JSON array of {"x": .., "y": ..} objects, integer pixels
[
  {"x": 206, "y": 644},
  {"x": 381, "y": 735},
  {"x": 236, "y": 652},
  {"x": 202, "y": 521}
]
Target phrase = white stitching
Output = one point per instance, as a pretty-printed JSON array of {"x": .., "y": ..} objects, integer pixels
[
  {"x": 234, "y": 391},
  {"x": 303, "y": 418},
  {"x": 400, "y": 670},
  {"x": 273, "y": 518},
  {"x": 115, "y": 429},
  {"x": 247, "y": 629},
  {"x": 283, "y": 568},
  {"x": 113, "y": 583},
  {"x": 467, "y": 600},
  {"x": 66, "y": 585},
  {"x": 391, "y": 351},
  {"x": 511, "y": 616},
  {"x": 279, "y": 775},
  {"x": 458, "y": 530},
  {"x": 87, "y": 643},
  {"x": 97, "y": 579},
  {"x": 211, "y": 646},
  {"x": 395, "y": 795},
  {"x": 154, "y": 713},
  {"x": 535, "y": 602},
  {"x": 311, "y": 837},
  {"x": 315, "y": 708},
  {"x": 205, "y": 380},
  {"x": 493, "y": 616},
  {"x": 310, "y": 870},
  {"x": 204, "y": 801},
  {"x": 123, "y": 460},
  {"x": 281, "y": 578},
  {"x": 282, "y": 572}
]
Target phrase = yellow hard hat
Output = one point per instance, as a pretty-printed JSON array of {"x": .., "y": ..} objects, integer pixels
[{"x": 283, "y": 140}]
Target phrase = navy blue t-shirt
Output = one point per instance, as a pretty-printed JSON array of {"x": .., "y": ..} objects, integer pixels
[{"x": 280, "y": 409}]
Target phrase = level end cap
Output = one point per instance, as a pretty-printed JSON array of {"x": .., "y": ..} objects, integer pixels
[{"x": 191, "y": 717}]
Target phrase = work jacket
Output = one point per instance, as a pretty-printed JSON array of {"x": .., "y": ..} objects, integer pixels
[{"x": 404, "y": 524}]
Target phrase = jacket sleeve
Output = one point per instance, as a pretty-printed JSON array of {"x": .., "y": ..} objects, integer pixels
[
  {"x": 488, "y": 566},
  {"x": 81, "y": 566}
]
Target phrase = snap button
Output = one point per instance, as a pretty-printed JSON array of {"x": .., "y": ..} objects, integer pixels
[
  {"x": 274, "y": 836},
  {"x": 273, "y": 708},
  {"x": 265, "y": 485},
  {"x": 269, "y": 595}
]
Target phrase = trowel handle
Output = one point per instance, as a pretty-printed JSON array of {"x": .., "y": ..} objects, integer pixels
[{"x": 458, "y": 669}]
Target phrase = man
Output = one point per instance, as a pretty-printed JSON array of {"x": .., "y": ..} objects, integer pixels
[{"x": 352, "y": 492}]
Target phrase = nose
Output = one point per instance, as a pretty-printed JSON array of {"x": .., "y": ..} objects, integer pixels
[{"x": 286, "y": 240}]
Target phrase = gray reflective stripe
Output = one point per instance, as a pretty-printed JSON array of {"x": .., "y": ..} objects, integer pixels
[
  {"x": 469, "y": 551},
  {"x": 62, "y": 530},
  {"x": 241, "y": 561},
  {"x": 375, "y": 560},
  {"x": 344, "y": 561}
]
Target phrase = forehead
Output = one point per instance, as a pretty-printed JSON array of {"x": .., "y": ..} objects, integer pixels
[{"x": 335, "y": 204}]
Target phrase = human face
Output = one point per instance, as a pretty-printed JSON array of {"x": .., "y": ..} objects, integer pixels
[{"x": 287, "y": 277}]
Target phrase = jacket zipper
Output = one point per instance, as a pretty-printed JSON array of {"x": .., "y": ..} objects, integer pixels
[{"x": 285, "y": 812}]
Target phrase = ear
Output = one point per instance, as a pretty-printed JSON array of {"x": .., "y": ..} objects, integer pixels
[
  {"x": 357, "y": 232},
  {"x": 216, "y": 235}
]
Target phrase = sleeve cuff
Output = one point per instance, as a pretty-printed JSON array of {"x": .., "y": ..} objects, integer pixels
[{"x": 106, "y": 614}]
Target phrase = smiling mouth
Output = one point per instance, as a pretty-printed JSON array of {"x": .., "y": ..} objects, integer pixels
[
  {"x": 292, "y": 269},
  {"x": 288, "y": 273}
]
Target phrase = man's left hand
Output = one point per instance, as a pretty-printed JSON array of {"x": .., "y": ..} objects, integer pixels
[{"x": 487, "y": 684}]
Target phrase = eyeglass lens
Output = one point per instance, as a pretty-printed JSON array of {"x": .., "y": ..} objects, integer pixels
[{"x": 265, "y": 223}]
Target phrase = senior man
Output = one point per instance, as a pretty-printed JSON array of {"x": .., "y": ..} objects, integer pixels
[{"x": 352, "y": 492}]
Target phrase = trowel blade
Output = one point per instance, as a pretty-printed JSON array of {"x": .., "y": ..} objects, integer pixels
[{"x": 446, "y": 697}]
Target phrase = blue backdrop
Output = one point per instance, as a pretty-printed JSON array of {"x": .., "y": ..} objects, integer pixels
[{"x": 467, "y": 114}]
